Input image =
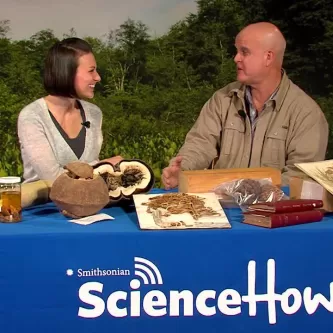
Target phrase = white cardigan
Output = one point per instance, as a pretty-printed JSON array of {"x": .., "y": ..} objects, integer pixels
[{"x": 44, "y": 151}]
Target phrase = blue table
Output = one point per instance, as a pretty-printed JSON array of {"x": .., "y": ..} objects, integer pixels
[{"x": 111, "y": 276}]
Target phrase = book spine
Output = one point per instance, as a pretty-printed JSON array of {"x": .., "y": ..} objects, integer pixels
[
  {"x": 301, "y": 207},
  {"x": 283, "y": 220}
]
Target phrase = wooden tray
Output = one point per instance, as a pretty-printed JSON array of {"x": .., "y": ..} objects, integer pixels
[{"x": 200, "y": 181}]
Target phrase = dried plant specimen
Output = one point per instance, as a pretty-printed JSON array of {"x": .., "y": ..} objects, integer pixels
[
  {"x": 325, "y": 175},
  {"x": 178, "y": 203}
]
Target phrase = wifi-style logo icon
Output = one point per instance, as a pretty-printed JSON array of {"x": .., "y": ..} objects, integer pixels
[{"x": 147, "y": 271}]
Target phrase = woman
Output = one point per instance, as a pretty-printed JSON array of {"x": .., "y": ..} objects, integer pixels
[{"x": 61, "y": 127}]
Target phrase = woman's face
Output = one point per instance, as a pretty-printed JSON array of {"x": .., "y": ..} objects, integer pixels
[{"x": 86, "y": 76}]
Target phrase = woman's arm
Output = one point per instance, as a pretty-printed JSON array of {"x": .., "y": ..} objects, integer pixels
[{"x": 36, "y": 151}]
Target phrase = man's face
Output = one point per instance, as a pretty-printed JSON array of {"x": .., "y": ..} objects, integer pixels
[{"x": 250, "y": 58}]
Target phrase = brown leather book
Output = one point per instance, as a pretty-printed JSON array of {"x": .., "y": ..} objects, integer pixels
[
  {"x": 268, "y": 220},
  {"x": 286, "y": 206}
]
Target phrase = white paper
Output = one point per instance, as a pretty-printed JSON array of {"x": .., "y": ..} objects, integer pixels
[{"x": 92, "y": 219}]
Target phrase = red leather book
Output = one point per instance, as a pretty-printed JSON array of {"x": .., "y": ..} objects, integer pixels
[
  {"x": 286, "y": 206},
  {"x": 268, "y": 220}
]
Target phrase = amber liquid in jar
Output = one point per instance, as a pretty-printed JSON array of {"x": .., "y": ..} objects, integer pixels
[{"x": 10, "y": 202}]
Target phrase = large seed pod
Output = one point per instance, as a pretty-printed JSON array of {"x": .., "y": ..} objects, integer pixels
[
  {"x": 126, "y": 178},
  {"x": 76, "y": 196}
]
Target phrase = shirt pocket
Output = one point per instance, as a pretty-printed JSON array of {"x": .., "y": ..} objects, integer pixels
[
  {"x": 232, "y": 137},
  {"x": 274, "y": 149}
]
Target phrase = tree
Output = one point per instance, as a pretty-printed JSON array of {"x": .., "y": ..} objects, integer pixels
[
  {"x": 20, "y": 72},
  {"x": 4, "y": 28},
  {"x": 205, "y": 40},
  {"x": 71, "y": 33},
  {"x": 38, "y": 46},
  {"x": 307, "y": 27},
  {"x": 133, "y": 40}
]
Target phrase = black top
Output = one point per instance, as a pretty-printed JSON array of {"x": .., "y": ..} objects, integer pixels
[{"x": 77, "y": 144}]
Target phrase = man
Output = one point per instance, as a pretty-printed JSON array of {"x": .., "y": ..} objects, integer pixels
[{"x": 263, "y": 120}]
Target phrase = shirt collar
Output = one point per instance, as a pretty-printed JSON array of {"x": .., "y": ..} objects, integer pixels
[
  {"x": 278, "y": 97},
  {"x": 248, "y": 94}
]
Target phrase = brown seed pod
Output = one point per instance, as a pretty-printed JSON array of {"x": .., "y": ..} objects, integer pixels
[
  {"x": 79, "y": 196},
  {"x": 270, "y": 193},
  {"x": 248, "y": 190},
  {"x": 80, "y": 170}
]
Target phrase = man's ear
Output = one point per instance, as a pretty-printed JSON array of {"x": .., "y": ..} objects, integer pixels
[{"x": 269, "y": 58}]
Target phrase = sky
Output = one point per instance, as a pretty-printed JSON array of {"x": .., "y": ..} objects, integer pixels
[{"x": 90, "y": 17}]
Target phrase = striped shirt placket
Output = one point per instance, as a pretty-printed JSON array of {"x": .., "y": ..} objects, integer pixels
[{"x": 253, "y": 113}]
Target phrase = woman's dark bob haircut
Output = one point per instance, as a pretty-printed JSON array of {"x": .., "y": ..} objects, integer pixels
[{"x": 61, "y": 64}]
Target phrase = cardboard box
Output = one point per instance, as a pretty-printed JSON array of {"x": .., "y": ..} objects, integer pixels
[
  {"x": 200, "y": 181},
  {"x": 304, "y": 187}
]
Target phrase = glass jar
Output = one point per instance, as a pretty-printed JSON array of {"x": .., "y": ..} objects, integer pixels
[{"x": 10, "y": 199}]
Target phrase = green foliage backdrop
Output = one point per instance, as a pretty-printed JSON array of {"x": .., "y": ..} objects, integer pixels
[{"x": 152, "y": 89}]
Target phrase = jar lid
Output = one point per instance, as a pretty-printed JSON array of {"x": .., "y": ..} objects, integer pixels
[{"x": 10, "y": 180}]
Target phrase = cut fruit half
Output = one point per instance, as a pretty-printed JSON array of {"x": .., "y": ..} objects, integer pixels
[{"x": 126, "y": 178}]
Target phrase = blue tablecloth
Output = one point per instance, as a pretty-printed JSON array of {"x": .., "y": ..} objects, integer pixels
[{"x": 57, "y": 276}]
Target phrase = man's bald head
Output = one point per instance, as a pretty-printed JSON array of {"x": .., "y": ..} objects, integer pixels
[
  {"x": 260, "y": 50},
  {"x": 268, "y": 36}
]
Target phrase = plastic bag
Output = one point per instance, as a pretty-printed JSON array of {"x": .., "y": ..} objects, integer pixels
[{"x": 246, "y": 192}]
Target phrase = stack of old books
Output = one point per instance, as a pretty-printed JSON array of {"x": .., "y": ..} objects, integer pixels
[{"x": 284, "y": 213}]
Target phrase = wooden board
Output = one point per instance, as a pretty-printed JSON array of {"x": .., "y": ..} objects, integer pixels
[{"x": 200, "y": 181}]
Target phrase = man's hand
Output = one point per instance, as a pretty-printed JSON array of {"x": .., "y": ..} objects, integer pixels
[{"x": 170, "y": 174}]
